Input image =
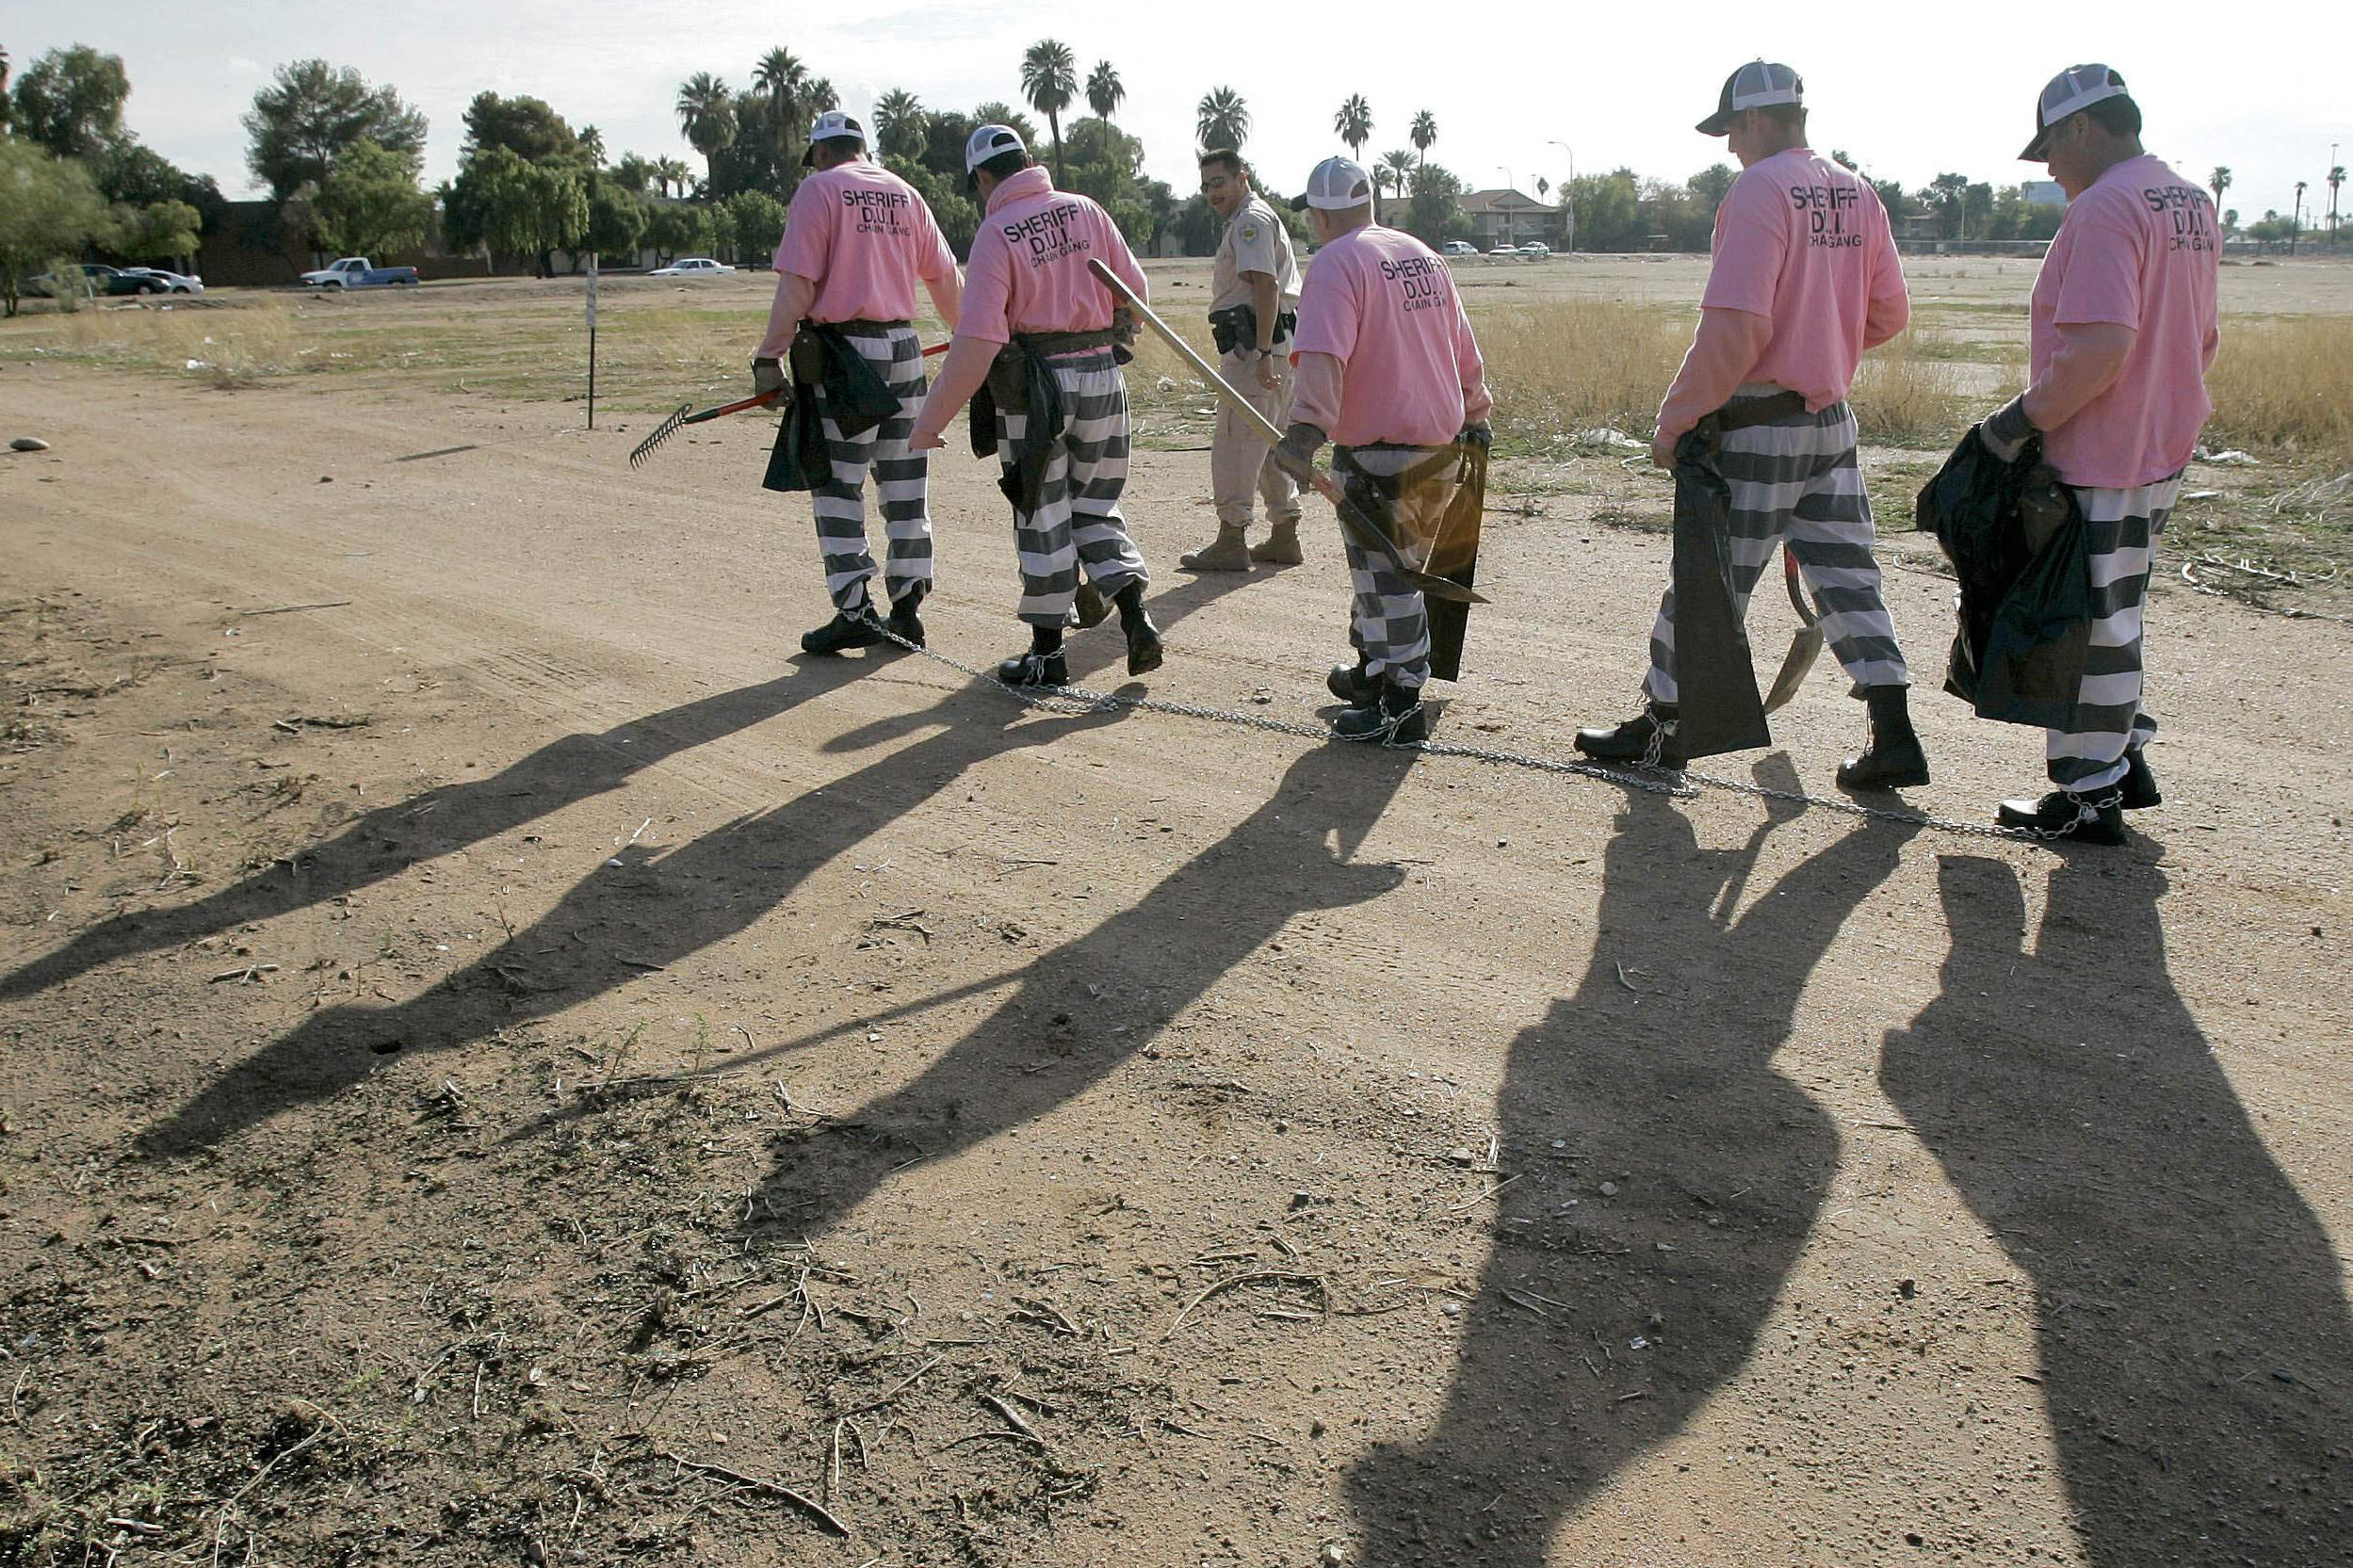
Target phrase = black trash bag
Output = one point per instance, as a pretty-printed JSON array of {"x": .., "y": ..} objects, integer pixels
[
  {"x": 1454, "y": 556},
  {"x": 855, "y": 394},
  {"x": 2016, "y": 538},
  {"x": 1719, "y": 710}
]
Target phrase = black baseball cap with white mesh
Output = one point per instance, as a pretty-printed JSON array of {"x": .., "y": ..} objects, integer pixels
[
  {"x": 2071, "y": 91},
  {"x": 1757, "y": 84}
]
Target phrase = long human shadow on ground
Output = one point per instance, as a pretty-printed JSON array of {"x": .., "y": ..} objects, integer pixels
[
  {"x": 2197, "y": 1349},
  {"x": 1636, "y": 1306},
  {"x": 1174, "y": 944},
  {"x": 388, "y": 841},
  {"x": 652, "y": 910}
]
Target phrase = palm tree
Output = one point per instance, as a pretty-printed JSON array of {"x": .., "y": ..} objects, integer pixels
[
  {"x": 1544, "y": 187},
  {"x": 1398, "y": 166},
  {"x": 592, "y": 144},
  {"x": 1222, "y": 119},
  {"x": 2219, "y": 181},
  {"x": 707, "y": 113},
  {"x": 898, "y": 123},
  {"x": 782, "y": 76},
  {"x": 1353, "y": 124},
  {"x": 1049, "y": 80},
  {"x": 671, "y": 171},
  {"x": 1424, "y": 132},
  {"x": 1103, "y": 91},
  {"x": 2336, "y": 178},
  {"x": 819, "y": 96}
]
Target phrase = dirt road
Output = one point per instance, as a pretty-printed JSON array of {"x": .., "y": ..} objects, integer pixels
[{"x": 517, "y": 1064}]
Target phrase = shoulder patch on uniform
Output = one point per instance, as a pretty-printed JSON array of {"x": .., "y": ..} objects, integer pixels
[{"x": 1249, "y": 230}]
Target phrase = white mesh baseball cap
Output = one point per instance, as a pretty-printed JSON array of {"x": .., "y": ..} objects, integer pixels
[
  {"x": 1757, "y": 85},
  {"x": 833, "y": 124},
  {"x": 988, "y": 141},
  {"x": 1337, "y": 185},
  {"x": 2071, "y": 91}
]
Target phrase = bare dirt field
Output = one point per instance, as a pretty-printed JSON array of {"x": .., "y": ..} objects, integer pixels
[{"x": 503, "y": 1061}]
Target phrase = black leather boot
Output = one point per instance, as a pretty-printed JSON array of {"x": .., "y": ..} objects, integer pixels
[
  {"x": 1893, "y": 760},
  {"x": 904, "y": 620},
  {"x": 1043, "y": 664},
  {"x": 1353, "y": 683},
  {"x": 1143, "y": 638},
  {"x": 1394, "y": 717},
  {"x": 1632, "y": 740},
  {"x": 2097, "y": 818},
  {"x": 846, "y": 630},
  {"x": 2138, "y": 790}
]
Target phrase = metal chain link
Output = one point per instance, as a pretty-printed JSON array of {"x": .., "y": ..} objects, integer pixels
[{"x": 1677, "y": 785}]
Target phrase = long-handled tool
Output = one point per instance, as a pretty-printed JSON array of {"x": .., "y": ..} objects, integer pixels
[
  {"x": 1352, "y": 517},
  {"x": 1805, "y": 647},
  {"x": 688, "y": 415}
]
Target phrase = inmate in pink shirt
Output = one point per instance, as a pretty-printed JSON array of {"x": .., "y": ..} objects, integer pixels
[
  {"x": 1804, "y": 243},
  {"x": 863, "y": 236},
  {"x": 1029, "y": 268},
  {"x": 1384, "y": 305},
  {"x": 2140, "y": 250}
]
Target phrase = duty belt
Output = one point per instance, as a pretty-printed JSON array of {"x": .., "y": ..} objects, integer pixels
[
  {"x": 1741, "y": 413},
  {"x": 1055, "y": 344},
  {"x": 867, "y": 328}
]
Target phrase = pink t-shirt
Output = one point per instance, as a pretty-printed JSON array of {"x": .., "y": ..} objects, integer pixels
[
  {"x": 863, "y": 236},
  {"x": 1029, "y": 268},
  {"x": 1805, "y": 244},
  {"x": 1382, "y": 305},
  {"x": 2140, "y": 250}
]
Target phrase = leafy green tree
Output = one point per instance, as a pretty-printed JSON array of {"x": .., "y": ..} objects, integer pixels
[
  {"x": 898, "y": 124},
  {"x": 71, "y": 102},
  {"x": 1423, "y": 132},
  {"x": 1608, "y": 211},
  {"x": 49, "y": 207},
  {"x": 370, "y": 206},
  {"x": 1354, "y": 124},
  {"x": 312, "y": 112},
  {"x": 1107, "y": 164},
  {"x": 1434, "y": 211},
  {"x": 509, "y": 206},
  {"x": 1709, "y": 186},
  {"x": 784, "y": 79},
  {"x": 3, "y": 89},
  {"x": 706, "y": 115},
  {"x": 634, "y": 173},
  {"x": 1105, "y": 91},
  {"x": 676, "y": 228},
  {"x": 526, "y": 127},
  {"x": 752, "y": 223},
  {"x": 1049, "y": 80},
  {"x": 161, "y": 231},
  {"x": 997, "y": 112},
  {"x": 618, "y": 214},
  {"x": 1222, "y": 119}
]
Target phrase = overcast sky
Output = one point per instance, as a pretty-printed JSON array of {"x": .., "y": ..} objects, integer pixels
[{"x": 2258, "y": 86}]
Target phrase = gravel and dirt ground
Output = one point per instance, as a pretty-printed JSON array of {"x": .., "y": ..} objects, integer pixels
[{"x": 507, "y": 1061}]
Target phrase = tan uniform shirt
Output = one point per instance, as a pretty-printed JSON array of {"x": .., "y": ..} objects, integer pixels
[{"x": 1255, "y": 241}]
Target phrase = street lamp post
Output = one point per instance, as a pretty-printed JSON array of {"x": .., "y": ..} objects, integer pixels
[{"x": 1569, "y": 198}]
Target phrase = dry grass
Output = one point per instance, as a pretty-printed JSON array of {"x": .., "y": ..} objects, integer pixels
[
  {"x": 1906, "y": 393},
  {"x": 1559, "y": 368},
  {"x": 2285, "y": 384}
]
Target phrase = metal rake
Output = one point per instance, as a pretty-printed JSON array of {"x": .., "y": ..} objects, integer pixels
[{"x": 688, "y": 415}]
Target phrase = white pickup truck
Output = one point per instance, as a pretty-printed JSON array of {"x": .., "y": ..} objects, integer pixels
[{"x": 357, "y": 272}]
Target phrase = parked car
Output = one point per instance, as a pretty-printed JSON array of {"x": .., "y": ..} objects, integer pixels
[
  {"x": 1535, "y": 250},
  {"x": 1458, "y": 247},
  {"x": 359, "y": 272},
  {"x": 1503, "y": 248},
  {"x": 691, "y": 266},
  {"x": 174, "y": 282},
  {"x": 97, "y": 278}
]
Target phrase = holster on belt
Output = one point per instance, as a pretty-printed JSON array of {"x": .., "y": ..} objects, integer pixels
[{"x": 1236, "y": 327}]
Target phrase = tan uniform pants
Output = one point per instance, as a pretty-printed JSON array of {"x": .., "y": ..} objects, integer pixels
[{"x": 1241, "y": 461}]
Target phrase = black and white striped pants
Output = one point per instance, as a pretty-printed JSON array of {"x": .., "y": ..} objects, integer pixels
[
  {"x": 1798, "y": 477},
  {"x": 1389, "y": 620},
  {"x": 2121, "y": 527},
  {"x": 1078, "y": 521},
  {"x": 899, "y": 484}
]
